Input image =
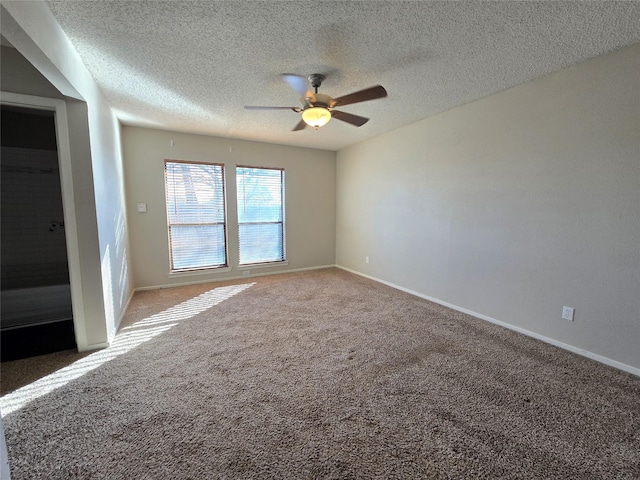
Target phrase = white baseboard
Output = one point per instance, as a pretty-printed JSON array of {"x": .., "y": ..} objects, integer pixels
[
  {"x": 94, "y": 346},
  {"x": 564, "y": 346},
  {"x": 238, "y": 277},
  {"x": 116, "y": 327}
]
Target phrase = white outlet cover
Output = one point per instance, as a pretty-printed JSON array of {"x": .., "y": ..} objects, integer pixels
[{"x": 567, "y": 313}]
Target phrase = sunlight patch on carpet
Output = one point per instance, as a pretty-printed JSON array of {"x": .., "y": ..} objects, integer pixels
[{"x": 128, "y": 338}]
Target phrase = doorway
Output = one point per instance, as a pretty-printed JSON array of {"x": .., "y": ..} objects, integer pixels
[{"x": 36, "y": 303}]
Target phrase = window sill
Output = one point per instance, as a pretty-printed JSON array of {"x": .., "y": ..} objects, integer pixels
[
  {"x": 193, "y": 273},
  {"x": 257, "y": 266}
]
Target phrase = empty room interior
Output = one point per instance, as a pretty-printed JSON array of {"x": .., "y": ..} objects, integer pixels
[{"x": 337, "y": 239}]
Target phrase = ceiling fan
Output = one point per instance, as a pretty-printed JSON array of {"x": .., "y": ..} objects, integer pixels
[{"x": 317, "y": 108}]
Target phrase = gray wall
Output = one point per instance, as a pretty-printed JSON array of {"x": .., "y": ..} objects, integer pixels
[
  {"x": 309, "y": 198},
  {"x": 512, "y": 207},
  {"x": 96, "y": 164},
  {"x": 19, "y": 76}
]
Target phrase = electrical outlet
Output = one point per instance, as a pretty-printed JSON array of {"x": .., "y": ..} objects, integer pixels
[
  {"x": 366, "y": 259},
  {"x": 246, "y": 273},
  {"x": 567, "y": 313}
]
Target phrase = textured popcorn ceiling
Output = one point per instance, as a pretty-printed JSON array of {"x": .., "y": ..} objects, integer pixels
[{"x": 191, "y": 66}]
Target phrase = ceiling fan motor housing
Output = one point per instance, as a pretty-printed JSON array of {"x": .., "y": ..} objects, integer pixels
[
  {"x": 321, "y": 100},
  {"x": 316, "y": 79}
]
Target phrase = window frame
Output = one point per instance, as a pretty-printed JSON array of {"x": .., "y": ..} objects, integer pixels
[
  {"x": 283, "y": 260},
  {"x": 224, "y": 223}
]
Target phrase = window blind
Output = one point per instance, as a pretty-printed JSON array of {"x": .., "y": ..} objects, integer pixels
[
  {"x": 261, "y": 231},
  {"x": 196, "y": 215}
]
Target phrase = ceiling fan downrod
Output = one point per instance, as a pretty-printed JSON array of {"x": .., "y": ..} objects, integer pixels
[{"x": 316, "y": 79}]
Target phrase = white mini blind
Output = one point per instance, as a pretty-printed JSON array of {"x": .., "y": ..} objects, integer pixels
[
  {"x": 261, "y": 231},
  {"x": 196, "y": 215}
]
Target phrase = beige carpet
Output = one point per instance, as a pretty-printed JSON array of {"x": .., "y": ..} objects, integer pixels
[{"x": 321, "y": 374}]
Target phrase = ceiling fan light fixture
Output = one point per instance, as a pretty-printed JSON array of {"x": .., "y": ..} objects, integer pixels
[
  {"x": 316, "y": 116},
  {"x": 317, "y": 108}
]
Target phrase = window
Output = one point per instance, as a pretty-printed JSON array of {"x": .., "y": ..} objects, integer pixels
[
  {"x": 196, "y": 215},
  {"x": 260, "y": 214}
]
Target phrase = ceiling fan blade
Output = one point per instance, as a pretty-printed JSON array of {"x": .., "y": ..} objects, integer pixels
[
  {"x": 252, "y": 107},
  {"x": 349, "y": 118},
  {"x": 300, "y": 126},
  {"x": 370, "y": 93},
  {"x": 297, "y": 82}
]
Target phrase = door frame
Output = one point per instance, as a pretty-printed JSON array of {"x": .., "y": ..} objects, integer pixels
[{"x": 59, "y": 107}]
